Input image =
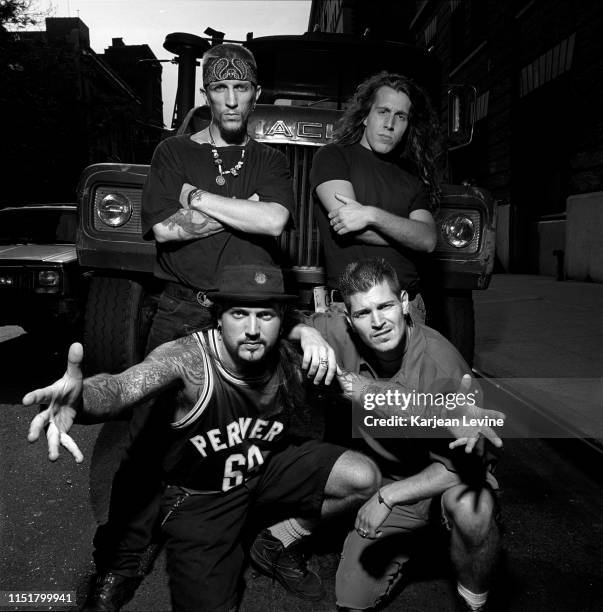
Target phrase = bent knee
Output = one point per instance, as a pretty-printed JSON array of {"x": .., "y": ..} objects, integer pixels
[
  {"x": 469, "y": 510},
  {"x": 358, "y": 473}
]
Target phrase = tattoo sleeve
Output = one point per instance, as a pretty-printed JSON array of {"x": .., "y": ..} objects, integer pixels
[
  {"x": 177, "y": 365},
  {"x": 189, "y": 224}
]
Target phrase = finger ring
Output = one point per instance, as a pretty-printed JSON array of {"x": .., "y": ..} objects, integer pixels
[
  {"x": 323, "y": 362},
  {"x": 362, "y": 533}
]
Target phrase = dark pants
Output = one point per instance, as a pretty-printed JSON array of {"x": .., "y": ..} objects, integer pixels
[
  {"x": 128, "y": 542},
  {"x": 203, "y": 532}
]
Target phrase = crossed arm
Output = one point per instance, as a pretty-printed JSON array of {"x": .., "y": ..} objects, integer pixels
[
  {"x": 210, "y": 214},
  {"x": 372, "y": 225}
]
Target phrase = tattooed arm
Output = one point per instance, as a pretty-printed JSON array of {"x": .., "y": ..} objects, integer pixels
[
  {"x": 245, "y": 215},
  {"x": 211, "y": 213},
  {"x": 103, "y": 396},
  {"x": 186, "y": 224}
]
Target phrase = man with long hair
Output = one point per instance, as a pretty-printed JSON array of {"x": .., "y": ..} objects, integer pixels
[{"x": 375, "y": 186}]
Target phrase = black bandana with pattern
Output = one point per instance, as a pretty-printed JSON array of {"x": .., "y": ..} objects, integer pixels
[{"x": 228, "y": 69}]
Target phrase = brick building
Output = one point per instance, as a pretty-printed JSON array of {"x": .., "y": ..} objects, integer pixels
[
  {"x": 137, "y": 66},
  {"x": 68, "y": 108},
  {"x": 538, "y": 137}
]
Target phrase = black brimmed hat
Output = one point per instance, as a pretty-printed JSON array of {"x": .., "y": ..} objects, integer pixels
[{"x": 251, "y": 284}]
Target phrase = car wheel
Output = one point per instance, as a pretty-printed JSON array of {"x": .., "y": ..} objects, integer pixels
[{"x": 116, "y": 324}]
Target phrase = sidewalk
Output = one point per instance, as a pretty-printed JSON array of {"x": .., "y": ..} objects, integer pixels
[{"x": 550, "y": 332}]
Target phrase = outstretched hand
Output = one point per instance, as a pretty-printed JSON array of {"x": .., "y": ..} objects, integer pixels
[
  {"x": 474, "y": 423},
  {"x": 63, "y": 398}
]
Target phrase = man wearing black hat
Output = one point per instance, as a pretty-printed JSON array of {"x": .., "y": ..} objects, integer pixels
[{"x": 230, "y": 393}]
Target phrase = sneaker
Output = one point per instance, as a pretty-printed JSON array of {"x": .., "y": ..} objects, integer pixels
[
  {"x": 287, "y": 565},
  {"x": 110, "y": 592}
]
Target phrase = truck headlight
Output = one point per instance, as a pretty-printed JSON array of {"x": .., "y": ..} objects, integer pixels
[
  {"x": 48, "y": 278},
  {"x": 458, "y": 230},
  {"x": 6, "y": 280},
  {"x": 114, "y": 210},
  {"x": 48, "y": 281}
]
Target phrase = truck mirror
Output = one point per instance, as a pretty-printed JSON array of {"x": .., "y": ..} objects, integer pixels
[{"x": 461, "y": 109}]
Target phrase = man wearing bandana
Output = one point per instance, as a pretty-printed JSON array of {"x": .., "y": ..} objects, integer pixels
[{"x": 212, "y": 198}]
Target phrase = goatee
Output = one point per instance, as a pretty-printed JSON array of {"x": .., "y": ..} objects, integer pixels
[{"x": 234, "y": 136}]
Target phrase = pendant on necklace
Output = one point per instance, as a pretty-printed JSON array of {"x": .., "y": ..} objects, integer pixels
[{"x": 220, "y": 180}]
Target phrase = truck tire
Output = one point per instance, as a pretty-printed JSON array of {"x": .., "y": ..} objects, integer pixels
[
  {"x": 459, "y": 323},
  {"x": 116, "y": 324}
]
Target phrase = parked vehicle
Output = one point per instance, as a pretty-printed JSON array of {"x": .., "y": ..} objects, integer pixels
[{"x": 41, "y": 285}]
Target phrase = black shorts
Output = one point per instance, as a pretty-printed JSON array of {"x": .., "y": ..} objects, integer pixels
[{"x": 204, "y": 551}]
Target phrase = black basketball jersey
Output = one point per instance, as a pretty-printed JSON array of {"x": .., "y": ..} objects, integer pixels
[{"x": 227, "y": 435}]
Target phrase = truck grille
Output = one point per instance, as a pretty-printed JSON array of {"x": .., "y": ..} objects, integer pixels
[{"x": 301, "y": 244}]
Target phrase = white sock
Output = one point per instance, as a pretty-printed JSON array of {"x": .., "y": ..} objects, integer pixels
[
  {"x": 474, "y": 600},
  {"x": 288, "y": 531}
]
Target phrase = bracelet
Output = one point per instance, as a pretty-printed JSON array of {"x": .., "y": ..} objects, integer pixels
[
  {"x": 382, "y": 501},
  {"x": 193, "y": 193}
]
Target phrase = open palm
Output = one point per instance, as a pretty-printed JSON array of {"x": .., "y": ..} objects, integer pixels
[{"x": 63, "y": 398}]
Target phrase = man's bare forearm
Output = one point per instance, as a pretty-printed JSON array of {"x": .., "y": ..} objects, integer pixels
[
  {"x": 371, "y": 237},
  {"x": 429, "y": 482},
  {"x": 186, "y": 225},
  {"x": 249, "y": 216},
  {"x": 102, "y": 398},
  {"x": 106, "y": 396},
  {"x": 411, "y": 233}
]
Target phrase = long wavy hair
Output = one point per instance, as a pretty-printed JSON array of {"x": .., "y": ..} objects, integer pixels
[{"x": 422, "y": 141}]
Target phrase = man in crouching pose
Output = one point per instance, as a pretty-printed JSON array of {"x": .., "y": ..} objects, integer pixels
[
  {"x": 230, "y": 393},
  {"x": 378, "y": 339},
  {"x": 380, "y": 349}
]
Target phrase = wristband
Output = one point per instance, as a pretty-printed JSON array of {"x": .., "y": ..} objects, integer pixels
[
  {"x": 192, "y": 194},
  {"x": 382, "y": 501}
]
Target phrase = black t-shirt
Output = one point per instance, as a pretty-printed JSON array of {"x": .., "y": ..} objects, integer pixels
[
  {"x": 178, "y": 160},
  {"x": 377, "y": 181}
]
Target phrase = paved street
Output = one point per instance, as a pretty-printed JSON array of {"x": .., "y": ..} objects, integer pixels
[{"x": 552, "y": 511}]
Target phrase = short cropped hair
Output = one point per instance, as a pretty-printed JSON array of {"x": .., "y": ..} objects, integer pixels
[{"x": 361, "y": 276}]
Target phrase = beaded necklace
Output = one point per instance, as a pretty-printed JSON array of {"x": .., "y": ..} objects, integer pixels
[{"x": 220, "y": 180}]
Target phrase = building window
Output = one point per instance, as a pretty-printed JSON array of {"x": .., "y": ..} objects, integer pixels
[
  {"x": 458, "y": 47},
  {"x": 547, "y": 67},
  {"x": 478, "y": 21},
  {"x": 430, "y": 31},
  {"x": 481, "y": 106}
]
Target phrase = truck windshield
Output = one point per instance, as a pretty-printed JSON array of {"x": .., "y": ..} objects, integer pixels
[{"x": 37, "y": 226}]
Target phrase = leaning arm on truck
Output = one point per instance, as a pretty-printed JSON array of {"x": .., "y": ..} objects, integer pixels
[{"x": 104, "y": 396}]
